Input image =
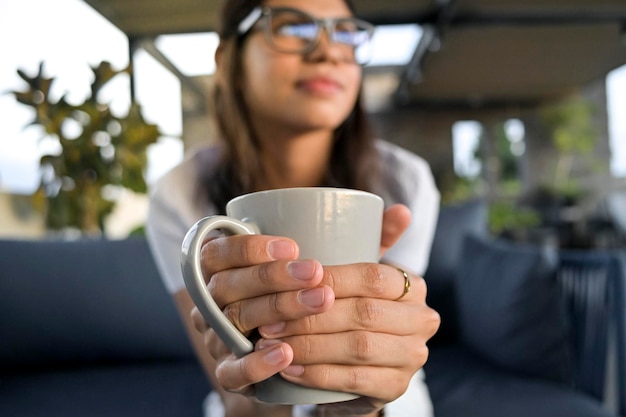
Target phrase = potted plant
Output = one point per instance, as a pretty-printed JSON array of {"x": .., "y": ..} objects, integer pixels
[{"x": 98, "y": 152}]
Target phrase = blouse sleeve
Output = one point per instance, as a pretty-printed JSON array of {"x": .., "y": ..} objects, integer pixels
[
  {"x": 410, "y": 178},
  {"x": 174, "y": 207}
]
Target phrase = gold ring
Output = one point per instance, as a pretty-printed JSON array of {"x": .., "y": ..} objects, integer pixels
[{"x": 407, "y": 283}]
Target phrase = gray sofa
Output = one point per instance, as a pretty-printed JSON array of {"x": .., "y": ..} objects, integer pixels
[
  {"x": 526, "y": 330},
  {"x": 86, "y": 329}
]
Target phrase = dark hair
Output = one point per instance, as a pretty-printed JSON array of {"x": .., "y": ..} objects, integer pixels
[{"x": 353, "y": 161}]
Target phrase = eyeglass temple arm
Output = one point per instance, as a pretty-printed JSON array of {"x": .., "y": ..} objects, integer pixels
[{"x": 247, "y": 23}]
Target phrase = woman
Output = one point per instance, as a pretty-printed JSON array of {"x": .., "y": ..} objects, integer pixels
[{"x": 288, "y": 107}]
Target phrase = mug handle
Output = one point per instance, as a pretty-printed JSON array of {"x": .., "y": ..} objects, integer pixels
[{"x": 197, "y": 288}]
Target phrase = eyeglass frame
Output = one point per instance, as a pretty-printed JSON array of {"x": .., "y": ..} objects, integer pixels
[{"x": 329, "y": 23}]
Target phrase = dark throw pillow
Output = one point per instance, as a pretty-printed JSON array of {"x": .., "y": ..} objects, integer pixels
[
  {"x": 454, "y": 223},
  {"x": 510, "y": 310}
]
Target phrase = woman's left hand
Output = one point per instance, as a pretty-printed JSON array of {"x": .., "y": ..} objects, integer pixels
[
  {"x": 368, "y": 342},
  {"x": 372, "y": 341}
]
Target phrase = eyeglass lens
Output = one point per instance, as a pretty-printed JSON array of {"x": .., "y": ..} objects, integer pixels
[{"x": 294, "y": 31}]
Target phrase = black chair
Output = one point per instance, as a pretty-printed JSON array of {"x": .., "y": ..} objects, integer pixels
[{"x": 593, "y": 285}]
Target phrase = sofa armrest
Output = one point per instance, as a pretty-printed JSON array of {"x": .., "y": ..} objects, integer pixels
[
  {"x": 593, "y": 286},
  {"x": 619, "y": 310}
]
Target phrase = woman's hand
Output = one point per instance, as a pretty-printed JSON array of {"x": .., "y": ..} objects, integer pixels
[{"x": 369, "y": 344}]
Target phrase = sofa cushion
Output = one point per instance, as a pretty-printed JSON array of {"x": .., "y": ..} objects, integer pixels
[
  {"x": 71, "y": 302},
  {"x": 454, "y": 223},
  {"x": 510, "y": 310},
  {"x": 462, "y": 384}
]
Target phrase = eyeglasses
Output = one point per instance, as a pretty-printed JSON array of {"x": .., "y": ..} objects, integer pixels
[{"x": 294, "y": 31}]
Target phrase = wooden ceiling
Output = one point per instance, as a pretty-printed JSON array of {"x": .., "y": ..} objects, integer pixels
[{"x": 474, "y": 52}]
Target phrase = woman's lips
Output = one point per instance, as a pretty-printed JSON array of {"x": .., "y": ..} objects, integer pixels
[{"x": 319, "y": 85}]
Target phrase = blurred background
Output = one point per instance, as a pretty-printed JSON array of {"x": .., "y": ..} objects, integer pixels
[{"x": 518, "y": 103}]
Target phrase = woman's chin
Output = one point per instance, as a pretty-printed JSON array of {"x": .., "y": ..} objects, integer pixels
[{"x": 319, "y": 118}]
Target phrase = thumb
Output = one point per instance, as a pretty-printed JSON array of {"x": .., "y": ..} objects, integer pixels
[{"x": 396, "y": 220}]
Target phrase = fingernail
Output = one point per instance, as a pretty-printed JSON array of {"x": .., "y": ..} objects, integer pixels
[
  {"x": 312, "y": 298},
  {"x": 281, "y": 249},
  {"x": 301, "y": 270},
  {"x": 294, "y": 370},
  {"x": 265, "y": 343},
  {"x": 274, "y": 356},
  {"x": 272, "y": 329}
]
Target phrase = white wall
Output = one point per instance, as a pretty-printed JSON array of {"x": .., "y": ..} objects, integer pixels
[{"x": 17, "y": 220}]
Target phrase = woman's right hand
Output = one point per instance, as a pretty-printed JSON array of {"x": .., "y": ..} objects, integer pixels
[{"x": 257, "y": 280}]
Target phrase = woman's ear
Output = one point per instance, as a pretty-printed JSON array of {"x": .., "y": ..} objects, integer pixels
[{"x": 218, "y": 54}]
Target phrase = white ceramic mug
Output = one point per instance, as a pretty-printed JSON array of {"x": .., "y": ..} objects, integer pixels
[{"x": 333, "y": 225}]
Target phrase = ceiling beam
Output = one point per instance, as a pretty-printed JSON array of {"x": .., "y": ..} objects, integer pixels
[
  {"x": 412, "y": 72},
  {"x": 429, "y": 42},
  {"x": 538, "y": 19}
]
